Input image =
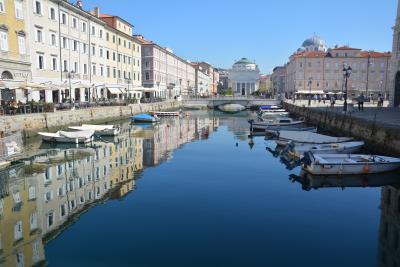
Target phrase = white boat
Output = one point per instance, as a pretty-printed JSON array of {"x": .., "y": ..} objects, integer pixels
[
  {"x": 282, "y": 122},
  {"x": 267, "y": 115},
  {"x": 166, "y": 113},
  {"x": 300, "y": 138},
  {"x": 334, "y": 164},
  {"x": 68, "y": 137},
  {"x": 103, "y": 130},
  {"x": 274, "y": 130},
  {"x": 231, "y": 108},
  {"x": 333, "y": 148}
]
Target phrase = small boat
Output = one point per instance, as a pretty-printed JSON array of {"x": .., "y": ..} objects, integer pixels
[
  {"x": 274, "y": 130},
  {"x": 231, "y": 108},
  {"x": 145, "y": 118},
  {"x": 283, "y": 122},
  {"x": 269, "y": 107},
  {"x": 68, "y": 137},
  {"x": 166, "y": 113},
  {"x": 102, "y": 130},
  {"x": 300, "y": 138},
  {"x": 298, "y": 151},
  {"x": 351, "y": 164},
  {"x": 270, "y": 114}
]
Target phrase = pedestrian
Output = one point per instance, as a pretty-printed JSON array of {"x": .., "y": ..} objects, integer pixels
[
  {"x": 332, "y": 102},
  {"x": 361, "y": 100},
  {"x": 380, "y": 100}
]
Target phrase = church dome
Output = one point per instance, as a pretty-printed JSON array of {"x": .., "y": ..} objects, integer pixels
[
  {"x": 314, "y": 41},
  {"x": 243, "y": 61}
]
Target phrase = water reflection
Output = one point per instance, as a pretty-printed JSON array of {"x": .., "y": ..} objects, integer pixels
[
  {"x": 47, "y": 192},
  {"x": 389, "y": 233}
]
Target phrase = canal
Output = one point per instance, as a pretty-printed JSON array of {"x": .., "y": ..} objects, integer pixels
[{"x": 195, "y": 192}]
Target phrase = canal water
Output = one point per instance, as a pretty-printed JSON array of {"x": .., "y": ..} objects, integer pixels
[{"x": 194, "y": 191}]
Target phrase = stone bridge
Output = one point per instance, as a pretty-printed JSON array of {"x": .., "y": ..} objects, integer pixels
[{"x": 214, "y": 102}]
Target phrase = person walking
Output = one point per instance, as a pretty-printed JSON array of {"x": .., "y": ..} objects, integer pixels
[
  {"x": 361, "y": 100},
  {"x": 333, "y": 102}
]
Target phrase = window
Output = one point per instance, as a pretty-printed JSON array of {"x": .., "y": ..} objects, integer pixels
[
  {"x": 64, "y": 19},
  {"x": 74, "y": 23},
  {"x": 50, "y": 219},
  {"x": 65, "y": 68},
  {"x": 94, "y": 69},
  {"x": 3, "y": 41},
  {"x": 53, "y": 39},
  {"x": 63, "y": 210},
  {"x": 107, "y": 36},
  {"x": 148, "y": 76},
  {"x": 101, "y": 52},
  {"x": 101, "y": 71},
  {"x": 75, "y": 45},
  {"x": 93, "y": 50},
  {"x": 39, "y": 36},
  {"x": 76, "y": 67},
  {"x": 2, "y": 7},
  {"x": 19, "y": 259},
  {"x": 85, "y": 69},
  {"x": 108, "y": 71},
  {"x": 114, "y": 56},
  {"x": 18, "y": 230},
  {"x": 40, "y": 62},
  {"x": 32, "y": 193},
  {"x": 84, "y": 48},
  {"x": 64, "y": 42},
  {"x": 48, "y": 196},
  {"x": 101, "y": 33},
  {"x": 38, "y": 8},
  {"x": 33, "y": 221},
  {"x": 19, "y": 14},
  {"x": 84, "y": 26},
  {"x": 93, "y": 30},
  {"x": 114, "y": 39},
  {"x": 52, "y": 14},
  {"x": 54, "y": 64},
  {"x": 114, "y": 73}
]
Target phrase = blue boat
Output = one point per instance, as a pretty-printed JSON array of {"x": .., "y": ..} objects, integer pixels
[{"x": 144, "y": 118}]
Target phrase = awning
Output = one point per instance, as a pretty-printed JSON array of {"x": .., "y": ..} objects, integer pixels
[
  {"x": 308, "y": 92},
  {"x": 115, "y": 90},
  {"x": 149, "y": 90},
  {"x": 14, "y": 84}
]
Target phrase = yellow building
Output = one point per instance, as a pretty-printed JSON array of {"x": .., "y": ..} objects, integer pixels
[
  {"x": 20, "y": 233},
  {"x": 14, "y": 58}
]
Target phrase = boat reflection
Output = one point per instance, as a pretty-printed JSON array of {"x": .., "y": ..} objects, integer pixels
[
  {"x": 289, "y": 162},
  {"x": 310, "y": 182},
  {"x": 44, "y": 194}
]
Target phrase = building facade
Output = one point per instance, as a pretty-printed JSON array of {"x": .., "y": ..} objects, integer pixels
[
  {"x": 204, "y": 82},
  {"x": 165, "y": 75},
  {"x": 223, "y": 84},
  {"x": 320, "y": 72},
  {"x": 395, "y": 77},
  {"x": 265, "y": 87},
  {"x": 278, "y": 80},
  {"x": 15, "y": 67},
  {"x": 212, "y": 73},
  {"x": 244, "y": 77}
]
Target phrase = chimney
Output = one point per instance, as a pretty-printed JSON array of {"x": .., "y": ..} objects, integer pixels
[{"x": 97, "y": 12}]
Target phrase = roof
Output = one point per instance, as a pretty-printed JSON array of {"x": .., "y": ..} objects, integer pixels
[
  {"x": 345, "y": 48},
  {"x": 374, "y": 54},
  {"x": 244, "y": 61}
]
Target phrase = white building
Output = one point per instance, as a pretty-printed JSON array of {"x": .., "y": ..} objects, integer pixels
[
  {"x": 244, "y": 77},
  {"x": 203, "y": 82}
]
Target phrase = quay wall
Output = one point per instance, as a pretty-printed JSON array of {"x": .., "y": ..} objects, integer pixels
[
  {"x": 379, "y": 137},
  {"x": 30, "y": 124}
]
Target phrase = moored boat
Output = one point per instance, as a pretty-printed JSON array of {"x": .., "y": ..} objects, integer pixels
[
  {"x": 68, "y": 137},
  {"x": 166, "y": 113},
  {"x": 332, "y": 148},
  {"x": 329, "y": 164},
  {"x": 231, "y": 108},
  {"x": 274, "y": 130},
  {"x": 299, "y": 138},
  {"x": 102, "y": 130},
  {"x": 145, "y": 118},
  {"x": 282, "y": 122}
]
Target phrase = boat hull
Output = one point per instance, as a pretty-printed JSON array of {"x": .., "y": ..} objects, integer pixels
[
  {"x": 63, "y": 139},
  {"x": 343, "y": 148}
]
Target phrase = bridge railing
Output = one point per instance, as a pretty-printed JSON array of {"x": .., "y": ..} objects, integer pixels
[{"x": 225, "y": 98}]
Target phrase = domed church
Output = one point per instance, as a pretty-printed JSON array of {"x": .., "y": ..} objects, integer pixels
[
  {"x": 314, "y": 43},
  {"x": 244, "y": 77}
]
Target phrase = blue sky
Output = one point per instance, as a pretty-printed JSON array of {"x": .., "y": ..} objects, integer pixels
[{"x": 222, "y": 31}]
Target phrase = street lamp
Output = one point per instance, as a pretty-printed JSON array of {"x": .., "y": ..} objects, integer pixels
[
  {"x": 128, "y": 93},
  {"x": 310, "y": 80},
  {"x": 180, "y": 86},
  {"x": 69, "y": 75},
  {"x": 346, "y": 74}
]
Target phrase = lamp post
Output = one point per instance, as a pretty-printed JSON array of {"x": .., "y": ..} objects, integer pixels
[
  {"x": 69, "y": 75},
  {"x": 346, "y": 74},
  {"x": 128, "y": 94},
  {"x": 310, "y": 80},
  {"x": 180, "y": 86}
]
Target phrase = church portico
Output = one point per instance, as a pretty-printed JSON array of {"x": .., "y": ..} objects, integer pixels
[{"x": 244, "y": 77}]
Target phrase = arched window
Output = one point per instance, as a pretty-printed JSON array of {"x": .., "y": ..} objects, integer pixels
[{"x": 6, "y": 75}]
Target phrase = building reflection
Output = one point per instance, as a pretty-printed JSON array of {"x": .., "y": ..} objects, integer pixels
[
  {"x": 47, "y": 192},
  {"x": 389, "y": 233}
]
